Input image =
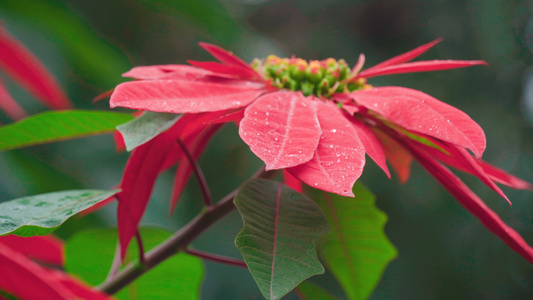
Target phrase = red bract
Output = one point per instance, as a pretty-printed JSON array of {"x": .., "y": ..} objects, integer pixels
[
  {"x": 26, "y": 279},
  {"x": 316, "y": 120},
  {"x": 19, "y": 63}
]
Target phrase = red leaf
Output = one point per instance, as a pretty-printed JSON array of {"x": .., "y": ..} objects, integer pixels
[
  {"x": 120, "y": 145},
  {"x": 407, "y": 56},
  {"x": 178, "y": 96},
  {"x": 473, "y": 203},
  {"x": 184, "y": 72},
  {"x": 419, "y": 112},
  {"x": 9, "y": 105},
  {"x": 397, "y": 155},
  {"x": 371, "y": 143},
  {"x": 20, "y": 273},
  {"x": 282, "y": 129},
  {"x": 18, "y": 62},
  {"x": 419, "y": 66},
  {"x": 459, "y": 158},
  {"x": 139, "y": 177},
  {"x": 339, "y": 158},
  {"x": 45, "y": 249},
  {"x": 232, "y": 70},
  {"x": 503, "y": 177},
  {"x": 145, "y": 164},
  {"x": 224, "y": 56}
]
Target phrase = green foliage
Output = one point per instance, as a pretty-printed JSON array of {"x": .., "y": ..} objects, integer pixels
[
  {"x": 311, "y": 291},
  {"x": 278, "y": 240},
  {"x": 42, "y": 214},
  {"x": 56, "y": 126},
  {"x": 145, "y": 127},
  {"x": 357, "y": 250},
  {"x": 90, "y": 253}
]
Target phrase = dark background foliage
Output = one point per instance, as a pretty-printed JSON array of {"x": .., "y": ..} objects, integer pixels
[{"x": 444, "y": 253}]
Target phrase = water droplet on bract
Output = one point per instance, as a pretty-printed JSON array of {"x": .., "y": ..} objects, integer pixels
[
  {"x": 333, "y": 130},
  {"x": 331, "y": 146},
  {"x": 338, "y": 160},
  {"x": 316, "y": 183},
  {"x": 267, "y": 113},
  {"x": 275, "y": 139}
]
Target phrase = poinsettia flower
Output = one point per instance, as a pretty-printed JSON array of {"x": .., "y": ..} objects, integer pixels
[{"x": 316, "y": 120}]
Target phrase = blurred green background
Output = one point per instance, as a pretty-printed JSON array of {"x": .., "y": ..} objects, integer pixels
[{"x": 444, "y": 252}]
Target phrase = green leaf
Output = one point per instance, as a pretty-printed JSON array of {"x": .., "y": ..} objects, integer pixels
[
  {"x": 279, "y": 237},
  {"x": 357, "y": 250},
  {"x": 42, "y": 214},
  {"x": 145, "y": 127},
  {"x": 90, "y": 253},
  {"x": 56, "y": 126},
  {"x": 311, "y": 291}
]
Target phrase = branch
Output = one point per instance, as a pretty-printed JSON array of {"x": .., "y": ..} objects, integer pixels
[{"x": 177, "y": 242}]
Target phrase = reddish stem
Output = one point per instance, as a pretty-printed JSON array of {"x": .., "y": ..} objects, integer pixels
[
  {"x": 141, "y": 247},
  {"x": 217, "y": 258},
  {"x": 206, "y": 194}
]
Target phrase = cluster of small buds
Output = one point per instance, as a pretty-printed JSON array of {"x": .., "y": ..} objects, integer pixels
[{"x": 320, "y": 78}]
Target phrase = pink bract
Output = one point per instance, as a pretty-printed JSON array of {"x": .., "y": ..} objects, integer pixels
[{"x": 318, "y": 129}]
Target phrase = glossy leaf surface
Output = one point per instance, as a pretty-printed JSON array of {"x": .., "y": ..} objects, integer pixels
[
  {"x": 179, "y": 277},
  {"x": 57, "y": 126},
  {"x": 419, "y": 112},
  {"x": 42, "y": 214},
  {"x": 278, "y": 240},
  {"x": 357, "y": 250},
  {"x": 339, "y": 158},
  {"x": 282, "y": 129},
  {"x": 145, "y": 127},
  {"x": 180, "y": 96}
]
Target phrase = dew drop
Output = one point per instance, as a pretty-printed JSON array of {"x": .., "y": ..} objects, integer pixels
[{"x": 333, "y": 130}]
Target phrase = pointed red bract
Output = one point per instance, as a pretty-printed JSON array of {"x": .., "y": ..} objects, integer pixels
[
  {"x": 339, "y": 158},
  {"x": 282, "y": 129},
  {"x": 473, "y": 203},
  {"x": 218, "y": 68},
  {"x": 178, "y": 96},
  {"x": 372, "y": 146},
  {"x": 459, "y": 158},
  {"x": 139, "y": 177},
  {"x": 45, "y": 249},
  {"x": 407, "y": 56},
  {"x": 419, "y": 66},
  {"x": 419, "y": 112},
  {"x": 18, "y": 62},
  {"x": 224, "y": 56},
  {"x": 503, "y": 177},
  {"x": 9, "y": 105},
  {"x": 183, "y": 72}
]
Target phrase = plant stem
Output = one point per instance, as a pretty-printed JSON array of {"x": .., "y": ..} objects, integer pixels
[
  {"x": 177, "y": 242},
  {"x": 206, "y": 194},
  {"x": 140, "y": 246},
  {"x": 217, "y": 258}
]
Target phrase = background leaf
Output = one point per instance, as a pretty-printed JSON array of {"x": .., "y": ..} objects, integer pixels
[
  {"x": 281, "y": 229},
  {"x": 145, "y": 127},
  {"x": 57, "y": 126},
  {"x": 357, "y": 250},
  {"x": 311, "y": 291},
  {"x": 42, "y": 214},
  {"x": 179, "y": 277}
]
